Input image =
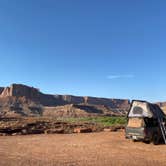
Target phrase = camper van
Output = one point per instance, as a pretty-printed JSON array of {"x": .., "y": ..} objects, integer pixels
[{"x": 146, "y": 122}]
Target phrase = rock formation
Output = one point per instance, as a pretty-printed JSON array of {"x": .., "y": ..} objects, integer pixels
[
  {"x": 29, "y": 101},
  {"x": 22, "y": 100},
  {"x": 18, "y": 90},
  {"x": 1, "y": 89},
  {"x": 161, "y": 104}
]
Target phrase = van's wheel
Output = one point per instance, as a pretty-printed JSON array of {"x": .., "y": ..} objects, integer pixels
[
  {"x": 155, "y": 139},
  {"x": 147, "y": 142}
]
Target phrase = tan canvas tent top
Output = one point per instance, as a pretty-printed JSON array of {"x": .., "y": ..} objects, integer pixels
[{"x": 145, "y": 109}]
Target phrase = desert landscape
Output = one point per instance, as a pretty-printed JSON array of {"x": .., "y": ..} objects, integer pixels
[
  {"x": 64, "y": 130},
  {"x": 82, "y": 83},
  {"x": 20, "y": 100},
  {"x": 85, "y": 149}
]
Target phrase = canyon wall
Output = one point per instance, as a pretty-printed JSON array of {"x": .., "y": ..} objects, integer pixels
[
  {"x": 31, "y": 93},
  {"x": 23, "y": 100}
]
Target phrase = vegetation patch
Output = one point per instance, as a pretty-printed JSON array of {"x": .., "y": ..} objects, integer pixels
[{"x": 104, "y": 121}]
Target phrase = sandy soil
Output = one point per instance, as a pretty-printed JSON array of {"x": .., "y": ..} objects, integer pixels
[{"x": 94, "y": 149}]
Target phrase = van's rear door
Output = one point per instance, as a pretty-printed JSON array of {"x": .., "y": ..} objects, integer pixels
[{"x": 135, "y": 128}]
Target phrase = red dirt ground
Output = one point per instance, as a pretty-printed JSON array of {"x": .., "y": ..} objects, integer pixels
[{"x": 92, "y": 149}]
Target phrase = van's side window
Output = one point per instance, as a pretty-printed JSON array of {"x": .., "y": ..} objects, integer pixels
[{"x": 150, "y": 122}]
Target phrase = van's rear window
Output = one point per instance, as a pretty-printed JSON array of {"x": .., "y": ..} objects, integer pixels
[
  {"x": 137, "y": 110},
  {"x": 135, "y": 122}
]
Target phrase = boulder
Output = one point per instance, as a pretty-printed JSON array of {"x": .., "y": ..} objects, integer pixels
[
  {"x": 82, "y": 130},
  {"x": 107, "y": 129},
  {"x": 54, "y": 131}
]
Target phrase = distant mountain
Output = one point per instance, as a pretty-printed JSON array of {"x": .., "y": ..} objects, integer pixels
[
  {"x": 161, "y": 104},
  {"x": 22, "y": 100}
]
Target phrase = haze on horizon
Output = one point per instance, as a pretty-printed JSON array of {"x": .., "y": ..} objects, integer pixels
[{"x": 113, "y": 49}]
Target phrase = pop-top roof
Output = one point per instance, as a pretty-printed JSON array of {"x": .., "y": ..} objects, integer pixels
[{"x": 145, "y": 109}]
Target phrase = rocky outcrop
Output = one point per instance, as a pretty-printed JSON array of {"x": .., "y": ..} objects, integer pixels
[
  {"x": 19, "y": 90},
  {"x": 112, "y": 103},
  {"x": 50, "y": 100},
  {"x": 21, "y": 126},
  {"x": 69, "y": 99},
  {"x": 161, "y": 104},
  {"x": 1, "y": 90},
  {"x": 81, "y": 110},
  {"x": 23, "y": 100},
  {"x": 19, "y": 106},
  {"x": 31, "y": 93},
  {"x": 6, "y": 92}
]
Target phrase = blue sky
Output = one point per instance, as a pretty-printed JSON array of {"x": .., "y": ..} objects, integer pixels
[{"x": 108, "y": 48}]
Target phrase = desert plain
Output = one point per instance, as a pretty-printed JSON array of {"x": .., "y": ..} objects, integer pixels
[{"x": 84, "y": 149}]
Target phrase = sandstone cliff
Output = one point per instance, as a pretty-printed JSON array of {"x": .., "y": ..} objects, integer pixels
[
  {"x": 161, "y": 104},
  {"x": 29, "y": 101},
  {"x": 112, "y": 103},
  {"x": 1, "y": 89},
  {"x": 18, "y": 90}
]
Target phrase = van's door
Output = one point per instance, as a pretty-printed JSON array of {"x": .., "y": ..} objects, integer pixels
[{"x": 135, "y": 128}]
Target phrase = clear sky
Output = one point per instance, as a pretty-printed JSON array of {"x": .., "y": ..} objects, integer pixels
[{"x": 105, "y": 48}]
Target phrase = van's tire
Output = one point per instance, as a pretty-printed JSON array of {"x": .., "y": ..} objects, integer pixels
[
  {"x": 155, "y": 139},
  {"x": 147, "y": 142}
]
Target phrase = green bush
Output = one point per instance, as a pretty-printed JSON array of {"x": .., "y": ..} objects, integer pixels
[{"x": 105, "y": 121}]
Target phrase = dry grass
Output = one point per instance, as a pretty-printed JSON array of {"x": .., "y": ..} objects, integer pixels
[{"x": 95, "y": 149}]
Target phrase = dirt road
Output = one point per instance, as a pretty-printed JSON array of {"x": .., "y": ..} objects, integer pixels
[{"x": 95, "y": 149}]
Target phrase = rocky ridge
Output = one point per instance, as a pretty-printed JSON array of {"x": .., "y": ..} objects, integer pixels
[{"x": 22, "y": 100}]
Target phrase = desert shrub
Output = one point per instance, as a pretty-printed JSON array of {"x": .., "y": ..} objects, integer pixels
[{"x": 105, "y": 121}]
